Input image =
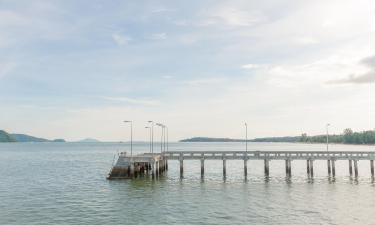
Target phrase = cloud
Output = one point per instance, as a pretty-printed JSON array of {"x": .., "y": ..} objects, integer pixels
[
  {"x": 363, "y": 78},
  {"x": 306, "y": 40},
  {"x": 121, "y": 39},
  {"x": 250, "y": 66},
  {"x": 134, "y": 101},
  {"x": 159, "y": 36},
  {"x": 232, "y": 17},
  {"x": 167, "y": 77},
  {"x": 6, "y": 68}
]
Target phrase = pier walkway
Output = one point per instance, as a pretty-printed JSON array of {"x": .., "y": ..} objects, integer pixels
[{"x": 158, "y": 163}]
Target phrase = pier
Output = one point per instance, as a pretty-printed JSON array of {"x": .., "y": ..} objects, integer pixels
[{"x": 131, "y": 166}]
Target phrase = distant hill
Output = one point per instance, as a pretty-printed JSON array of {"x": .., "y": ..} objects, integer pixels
[
  {"x": 266, "y": 139},
  {"x": 5, "y": 137},
  {"x": 89, "y": 140},
  {"x": 348, "y": 136},
  {"x": 27, "y": 138},
  {"x": 207, "y": 139}
]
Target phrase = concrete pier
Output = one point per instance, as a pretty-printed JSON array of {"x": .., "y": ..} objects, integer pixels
[
  {"x": 137, "y": 166},
  {"x": 156, "y": 164}
]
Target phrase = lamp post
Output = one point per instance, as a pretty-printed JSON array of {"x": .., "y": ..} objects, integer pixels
[
  {"x": 150, "y": 136},
  {"x": 131, "y": 136},
  {"x": 162, "y": 136},
  {"x": 246, "y": 136},
  {"x": 327, "y": 134},
  {"x": 167, "y": 138}
]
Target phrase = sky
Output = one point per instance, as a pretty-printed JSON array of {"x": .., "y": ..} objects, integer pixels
[{"x": 78, "y": 69}]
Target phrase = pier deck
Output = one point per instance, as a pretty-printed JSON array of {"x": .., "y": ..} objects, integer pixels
[{"x": 131, "y": 166}]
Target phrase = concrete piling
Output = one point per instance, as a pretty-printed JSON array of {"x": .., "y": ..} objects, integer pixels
[
  {"x": 311, "y": 168},
  {"x": 202, "y": 167},
  {"x": 266, "y": 167},
  {"x": 245, "y": 167},
  {"x": 333, "y": 168},
  {"x": 132, "y": 169},
  {"x": 181, "y": 166},
  {"x": 372, "y": 167},
  {"x": 308, "y": 167},
  {"x": 355, "y": 168},
  {"x": 329, "y": 167},
  {"x": 350, "y": 167},
  {"x": 288, "y": 167},
  {"x": 224, "y": 167}
]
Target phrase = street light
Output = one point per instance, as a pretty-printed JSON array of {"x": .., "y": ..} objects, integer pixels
[
  {"x": 150, "y": 136},
  {"x": 131, "y": 136},
  {"x": 167, "y": 138},
  {"x": 246, "y": 135},
  {"x": 327, "y": 134},
  {"x": 162, "y": 136},
  {"x": 165, "y": 134}
]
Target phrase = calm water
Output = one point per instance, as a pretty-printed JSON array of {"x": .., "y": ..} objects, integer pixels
[{"x": 64, "y": 183}]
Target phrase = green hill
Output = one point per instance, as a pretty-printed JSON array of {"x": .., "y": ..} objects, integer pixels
[
  {"x": 27, "y": 138},
  {"x": 5, "y": 137}
]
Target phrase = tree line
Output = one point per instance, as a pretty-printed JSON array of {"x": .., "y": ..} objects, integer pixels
[{"x": 347, "y": 137}]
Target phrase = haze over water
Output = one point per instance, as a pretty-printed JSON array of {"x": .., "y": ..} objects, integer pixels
[{"x": 64, "y": 183}]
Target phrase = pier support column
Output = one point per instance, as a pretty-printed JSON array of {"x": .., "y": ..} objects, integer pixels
[
  {"x": 131, "y": 169},
  {"x": 202, "y": 167},
  {"x": 153, "y": 170},
  {"x": 308, "y": 167},
  {"x": 157, "y": 168},
  {"x": 333, "y": 167},
  {"x": 166, "y": 164},
  {"x": 372, "y": 167},
  {"x": 267, "y": 167},
  {"x": 311, "y": 168},
  {"x": 356, "y": 168},
  {"x": 245, "y": 167},
  {"x": 288, "y": 167},
  {"x": 224, "y": 167},
  {"x": 350, "y": 167},
  {"x": 181, "y": 166},
  {"x": 329, "y": 167}
]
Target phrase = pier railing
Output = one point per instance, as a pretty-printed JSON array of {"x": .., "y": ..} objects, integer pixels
[
  {"x": 288, "y": 156},
  {"x": 270, "y": 155}
]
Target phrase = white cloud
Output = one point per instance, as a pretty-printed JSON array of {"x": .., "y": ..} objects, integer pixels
[
  {"x": 159, "y": 36},
  {"x": 230, "y": 16},
  {"x": 135, "y": 101},
  {"x": 6, "y": 68},
  {"x": 167, "y": 77},
  {"x": 362, "y": 77},
  {"x": 121, "y": 39},
  {"x": 306, "y": 40},
  {"x": 250, "y": 66}
]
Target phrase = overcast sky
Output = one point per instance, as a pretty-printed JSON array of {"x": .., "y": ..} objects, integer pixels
[{"x": 77, "y": 69}]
